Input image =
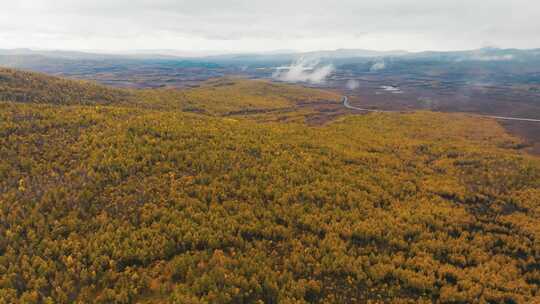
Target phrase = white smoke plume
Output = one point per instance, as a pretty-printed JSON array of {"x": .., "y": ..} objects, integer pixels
[
  {"x": 378, "y": 66},
  {"x": 304, "y": 70},
  {"x": 352, "y": 84}
]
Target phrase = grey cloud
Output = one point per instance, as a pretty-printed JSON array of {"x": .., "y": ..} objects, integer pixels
[{"x": 382, "y": 24}]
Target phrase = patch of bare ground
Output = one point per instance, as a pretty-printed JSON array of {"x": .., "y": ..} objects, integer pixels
[{"x": 529, "y": 132}]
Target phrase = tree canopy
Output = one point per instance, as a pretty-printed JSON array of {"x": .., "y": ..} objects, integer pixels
[{"x": 126, "y": 203}]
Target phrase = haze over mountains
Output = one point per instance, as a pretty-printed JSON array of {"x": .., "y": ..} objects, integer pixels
[{"x": 484, "y": 54}]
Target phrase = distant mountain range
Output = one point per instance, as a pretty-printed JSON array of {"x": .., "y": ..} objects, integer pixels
[
  {"x": 52, "y": 61},
  {"x": 484, "y": 54}
]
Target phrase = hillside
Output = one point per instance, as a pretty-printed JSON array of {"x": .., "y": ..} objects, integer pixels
[
  {"x": 227, "y": 96},
  {"x": 147, "y": 203},
  {"x": 30, "y": 87},
  {"x": 223, "y": 96}
]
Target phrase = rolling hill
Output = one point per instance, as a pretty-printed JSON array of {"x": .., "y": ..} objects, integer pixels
[
  {"x": 161, "y": 196},
  {"x": 31, "y": 87}
]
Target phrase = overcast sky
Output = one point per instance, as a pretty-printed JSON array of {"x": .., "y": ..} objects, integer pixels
[{"x": 257, "y": 25}]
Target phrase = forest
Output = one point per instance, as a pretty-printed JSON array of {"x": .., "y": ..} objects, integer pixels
[{"x": 164, "y": 196}]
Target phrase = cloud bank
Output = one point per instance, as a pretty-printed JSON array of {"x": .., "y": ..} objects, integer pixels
[{"x": 258, "y": 25}]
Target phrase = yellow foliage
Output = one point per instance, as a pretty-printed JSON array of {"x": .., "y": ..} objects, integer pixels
[{"x": 142, "y": 202}]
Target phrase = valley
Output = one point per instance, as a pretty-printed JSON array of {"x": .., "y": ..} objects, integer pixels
[{"x": 458, "y": 82}]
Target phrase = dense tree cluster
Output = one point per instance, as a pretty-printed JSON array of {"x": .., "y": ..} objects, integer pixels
[
  {"x": 227, "y": 96},
  {"x": 29, "y": 87},
  {"x": 114, "y": 204},
  {"x": 219, "y": 97}
]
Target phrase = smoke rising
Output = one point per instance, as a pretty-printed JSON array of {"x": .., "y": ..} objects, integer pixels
[
  {"x": 304, "y": 70},
  {"x": 352, "y": 84},
  {"x": 378, "y": 66}
]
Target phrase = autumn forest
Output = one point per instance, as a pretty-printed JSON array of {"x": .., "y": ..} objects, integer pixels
[{"x": 229, "y": 193}]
